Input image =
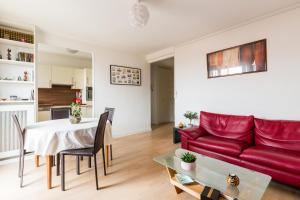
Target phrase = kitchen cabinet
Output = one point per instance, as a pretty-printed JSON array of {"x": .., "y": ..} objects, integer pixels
[
  {"x": 78, "y": 79},
  {"x": 87, "y": 111},
  {"x": 62, "y": 75},
  {"x": 44, "y": 76},
  {"x": 89, "y": 78},
  {"x": 44, "y": 115}
]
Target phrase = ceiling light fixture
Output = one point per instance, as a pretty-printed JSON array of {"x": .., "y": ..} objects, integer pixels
[
  {"x": 72, "y": 51},
  {"x": 138, "y": 15}
]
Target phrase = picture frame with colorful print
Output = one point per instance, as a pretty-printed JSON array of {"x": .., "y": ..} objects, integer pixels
[
  {"x": 122, "y": 75},
  {"x": 243, "y": 59}
]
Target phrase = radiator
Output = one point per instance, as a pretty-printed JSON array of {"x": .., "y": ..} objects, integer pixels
[{"x": 8, "y": 132}]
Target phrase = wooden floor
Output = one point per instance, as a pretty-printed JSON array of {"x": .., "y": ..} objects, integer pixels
[{"x": 133, "y": 175}]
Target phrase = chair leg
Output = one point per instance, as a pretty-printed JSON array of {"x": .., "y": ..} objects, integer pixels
[
  {"x": 111, "y": 156},
  {"x": 77, "y": 165},
  {"x": 96, "y": 174},
  {"x": 22, "y": 168},
  {"x": 90, "y": 162},
  {"x": 58, "y": 164},
  {"x": 19, "y": 170},
  {"x": 62, "y": 162},
  {"x": 104, "y": 165},
  {"x": 53, "y": 161}
]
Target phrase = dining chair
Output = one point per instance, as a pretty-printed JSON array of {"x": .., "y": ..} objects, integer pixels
[
  {"x": 21, "y": 134},
  {"x": 89, "y": 152},
  {"x": 111, "y": 112},
  {"x": 59, "y": 113}
]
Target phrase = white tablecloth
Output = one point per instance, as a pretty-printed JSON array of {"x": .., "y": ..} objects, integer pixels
[{"x": 51, "y": 137}]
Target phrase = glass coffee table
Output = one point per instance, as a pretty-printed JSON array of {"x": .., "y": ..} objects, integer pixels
[{"x": 213, "y": 173}]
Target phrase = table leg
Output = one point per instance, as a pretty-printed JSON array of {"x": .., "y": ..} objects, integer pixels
[
  {"x": 49, "y": 162},
  {"x": 37, "y": 160},
  {"x": 107, "y": 155},
  {"x": 172, "y": 173}
]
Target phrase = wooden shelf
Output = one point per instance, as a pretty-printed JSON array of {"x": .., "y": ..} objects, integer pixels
[
  {"x": 16, "y": 43},
  {"x": 16, "y": 82},
  {"x": 16, "y": 102},
  {"x": 18, "y": 63}
]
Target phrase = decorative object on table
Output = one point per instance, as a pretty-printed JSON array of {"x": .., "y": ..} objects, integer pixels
[
  {"x": 8, "y": 54},
  {"x": 232, "y": 191},
  {"x": 0, "y": 56},
  {"x": 181, "y": 125},
  {"x": 138, "y": 15},
  {"x": 75, "y": 117},
  {"x": 209, "y": 193},
  {"x": 16, "y": 35},
  {"x": 25, "y": 78},
  {"x": 19, "y": 78},
  {"x": 188, "y": 161},
  {"x": 191, "y": 116},
  {"x": 184, "y": 179},
  {"x": 120, "y": 75},
  {"x": 233, "y": 180},
  {"x": 246, "y": 58}
]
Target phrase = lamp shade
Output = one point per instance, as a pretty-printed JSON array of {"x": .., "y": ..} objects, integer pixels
[{"x": 138, "y": 15}]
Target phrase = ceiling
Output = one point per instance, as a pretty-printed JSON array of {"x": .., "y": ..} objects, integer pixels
[{"x": 105, "y": 22}]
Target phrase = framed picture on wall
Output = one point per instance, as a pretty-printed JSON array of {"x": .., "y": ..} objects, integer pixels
[
  {"x": 121, "y": 75},
  {"x": 246, "y": 58}
]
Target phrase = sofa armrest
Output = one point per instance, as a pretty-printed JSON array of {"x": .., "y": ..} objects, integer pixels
[{"x": 193, "y": 132}]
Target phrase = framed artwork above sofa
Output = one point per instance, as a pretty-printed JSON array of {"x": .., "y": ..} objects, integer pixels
[{"x": 245, "y": 58}]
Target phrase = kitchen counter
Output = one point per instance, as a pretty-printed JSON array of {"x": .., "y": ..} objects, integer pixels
[{"x": 47, "y": 107}]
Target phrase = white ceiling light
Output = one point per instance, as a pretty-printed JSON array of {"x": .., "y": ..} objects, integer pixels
[
  {"x": 138, "y": 15},
  {"x": 72, "y": 51}
]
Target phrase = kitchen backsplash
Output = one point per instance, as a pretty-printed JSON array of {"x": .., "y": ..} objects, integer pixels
[{"x": 57, "y": 95}]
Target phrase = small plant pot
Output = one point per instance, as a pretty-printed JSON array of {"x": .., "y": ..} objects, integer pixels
[
  {"x": 188, "y": 166},
  {"x": 75, "y": 120}
]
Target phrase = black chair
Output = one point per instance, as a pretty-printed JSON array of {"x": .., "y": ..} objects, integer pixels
[
  {"x": 89, "y": 152},
  {"x": 59, "y": 113},
  {"x": 111, "y": 112},
  {"x": 21, "y": 133}
]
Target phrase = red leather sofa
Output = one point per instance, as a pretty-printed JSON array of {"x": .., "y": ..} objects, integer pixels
[{"x": 268, "y": 146}]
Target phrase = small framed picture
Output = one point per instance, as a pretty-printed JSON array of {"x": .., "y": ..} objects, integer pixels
[{"x": 121, "y": 75}]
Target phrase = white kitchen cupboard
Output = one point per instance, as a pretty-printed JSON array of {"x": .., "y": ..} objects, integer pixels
[
  {"x": 44, "y": 115},
  {"x": 78, "y": 79},
  {"x": 89, "y": 78},
  {"x": 44, "y": 76},
  {"x": 62, "y": 75}
]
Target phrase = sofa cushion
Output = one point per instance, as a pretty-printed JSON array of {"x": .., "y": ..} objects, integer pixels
[
  {"x": 228, "y": 126},
  {"x": 278, "y": 133},
  {"x": 280, "y": 159},
  {"x": 220, "y": 145}
]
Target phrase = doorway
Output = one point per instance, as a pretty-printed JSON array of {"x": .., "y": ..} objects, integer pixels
[{"x": 162, "y": 92}]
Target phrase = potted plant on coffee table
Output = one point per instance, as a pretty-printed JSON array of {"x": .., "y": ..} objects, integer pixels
[
  {"x": 191, "y": 116},
  {"x": 188, "y": 161},
  {"x": 75, "y": 117}
]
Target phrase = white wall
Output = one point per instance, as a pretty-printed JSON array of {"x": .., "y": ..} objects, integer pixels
[
  {"x": 273, "y": 94},
  {"x": 132, "y": 103}
]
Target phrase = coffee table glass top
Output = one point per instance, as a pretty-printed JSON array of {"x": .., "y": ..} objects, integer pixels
[{"x": 213, "y": 173}]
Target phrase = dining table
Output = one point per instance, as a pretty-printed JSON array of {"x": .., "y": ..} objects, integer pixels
[{"x": 48, "y": 138}]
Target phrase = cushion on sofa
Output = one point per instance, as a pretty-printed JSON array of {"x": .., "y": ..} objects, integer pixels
[
  {"x": 228, "y": 126},
  {"x": 220, "y": 145},
  {"x": 281, "y": 159},
  {"x": 278, "y": 133}
]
